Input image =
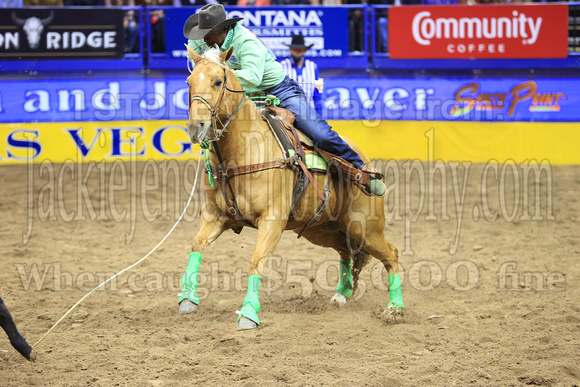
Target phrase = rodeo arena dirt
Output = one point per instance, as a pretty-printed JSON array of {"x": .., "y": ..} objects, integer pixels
[
  {"x": 503, "y": 310},
  {"x": 115, "y": 190}
]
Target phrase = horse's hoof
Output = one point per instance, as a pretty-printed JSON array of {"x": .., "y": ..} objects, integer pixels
[
  {"x": 186, "y": 307},
  {"x": 245, "y": 324},
  {"x": 32, "y": 356},
  {"x": 393, "y": 313},
  {"x": 338, "y": 300}
]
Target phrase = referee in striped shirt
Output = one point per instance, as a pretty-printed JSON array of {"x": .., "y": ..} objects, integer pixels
[{"x": 303, "y": 71}]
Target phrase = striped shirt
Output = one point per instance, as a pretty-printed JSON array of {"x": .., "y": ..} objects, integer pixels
[{"x": 305, "y": 76}]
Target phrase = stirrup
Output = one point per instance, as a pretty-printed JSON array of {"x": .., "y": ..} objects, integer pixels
[
  {"x": 373, "y": 172},
  {"x": 371, "y": 181}
]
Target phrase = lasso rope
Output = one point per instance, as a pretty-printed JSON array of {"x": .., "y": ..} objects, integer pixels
[{"x": 130, "y": 267}]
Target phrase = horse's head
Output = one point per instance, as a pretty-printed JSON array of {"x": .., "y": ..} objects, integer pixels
[{"x": 208, "y": 83}]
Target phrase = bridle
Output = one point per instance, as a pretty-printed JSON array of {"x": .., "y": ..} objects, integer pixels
[
  {"x": 204, "y": 142},
  {"x": 213, "y": 110}
]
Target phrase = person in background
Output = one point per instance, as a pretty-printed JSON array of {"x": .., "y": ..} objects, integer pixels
[
  {"x": 130, "y": 23},
  {"x": 304, "y": 71},
  {"x": 156, "y": 22},
  {"x": 382, "y": 24},
  {"x": 356, "y": 27},
  {"x": 157, "y": 17},
  {"x": 131, "y": 30}
]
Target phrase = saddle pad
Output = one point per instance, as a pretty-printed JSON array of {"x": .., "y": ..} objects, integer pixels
[{"x": 313, "y": 161}]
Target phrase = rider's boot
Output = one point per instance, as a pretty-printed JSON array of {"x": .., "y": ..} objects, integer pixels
[{"x": 376, "y": 187}]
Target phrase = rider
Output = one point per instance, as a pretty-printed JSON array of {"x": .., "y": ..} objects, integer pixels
[{"x": 257, "y": 70}]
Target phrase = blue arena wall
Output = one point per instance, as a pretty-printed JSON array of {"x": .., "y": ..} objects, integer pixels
[{"x": 371, "y": 99}]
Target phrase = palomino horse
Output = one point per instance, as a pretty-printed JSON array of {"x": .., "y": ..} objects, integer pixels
[{"x": 261, "y": 196}]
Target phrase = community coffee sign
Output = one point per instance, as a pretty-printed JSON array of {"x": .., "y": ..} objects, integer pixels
[
  {"x": 487, "y": 31},
  {"x": 28, "y": 33}
]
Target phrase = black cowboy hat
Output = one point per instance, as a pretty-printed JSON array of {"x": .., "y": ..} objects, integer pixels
[
  {"x": 298, "y": 42},
  {"x": 210, "y": 18}
]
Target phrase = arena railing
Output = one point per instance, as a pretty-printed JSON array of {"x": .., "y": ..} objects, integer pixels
[{"x": 372, "y": 52}]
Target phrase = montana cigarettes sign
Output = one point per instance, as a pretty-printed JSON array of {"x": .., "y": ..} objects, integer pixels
[{"x": 487, "y": 31}]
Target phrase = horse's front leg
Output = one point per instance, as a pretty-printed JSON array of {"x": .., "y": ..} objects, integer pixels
[
  {"x": 211, "y": 227},
  {"x": 269, "y": 232}
]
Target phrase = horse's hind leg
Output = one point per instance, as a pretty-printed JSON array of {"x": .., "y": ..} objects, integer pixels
[
  {"x": 269, "y": 232},
  {"x": 210, "y": 229},
  {"x": 376, "y": 245},
  {"x": 350, "y": 265}
]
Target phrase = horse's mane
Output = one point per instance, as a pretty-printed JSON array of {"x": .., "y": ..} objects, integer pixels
[{"x": 212, "y": 54}]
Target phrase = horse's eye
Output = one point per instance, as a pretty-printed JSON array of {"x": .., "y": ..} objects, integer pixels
[{"x": 217, "y": 83}]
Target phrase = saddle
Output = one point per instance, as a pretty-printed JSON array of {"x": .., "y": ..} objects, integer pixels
[
  {"x": 296, "y": 148},
  {"x": 292, "y": 141}
]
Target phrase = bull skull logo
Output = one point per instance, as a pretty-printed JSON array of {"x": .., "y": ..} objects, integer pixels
[{"x": 33, "y": 27}]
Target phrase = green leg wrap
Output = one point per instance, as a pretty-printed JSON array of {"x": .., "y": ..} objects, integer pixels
[
  {"x": 345, "y": 279},
  {"x": 189, "y": 280},
  {"x": 251, "y": 301},
  {"x": 396, "y": 298}
]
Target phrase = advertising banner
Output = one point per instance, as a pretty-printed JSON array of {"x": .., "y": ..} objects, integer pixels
[
  {"x": 324, "y": 27},
  {"x": 490, "y": 31},
  {"x": 366, "y": 99},
  {"x": 54, "y": 33},
  {"x": 95, "y": 141},
  {"x": 167, "y": 141},
  {"x": 453, "y": 99}
]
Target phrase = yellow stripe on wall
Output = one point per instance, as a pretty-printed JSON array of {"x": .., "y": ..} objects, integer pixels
[
  {"x": 470, "y": 141},
  {"x": 422, "y": 140},
  {"x": 95, "y": 141}
]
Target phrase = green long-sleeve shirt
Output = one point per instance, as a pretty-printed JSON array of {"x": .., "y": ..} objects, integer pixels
[{"x": 252, "y": 62}]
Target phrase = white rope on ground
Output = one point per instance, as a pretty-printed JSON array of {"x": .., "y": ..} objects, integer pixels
[{"x": 133, "y": 265}]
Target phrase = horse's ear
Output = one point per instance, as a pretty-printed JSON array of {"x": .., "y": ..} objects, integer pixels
[
  {"x": 227, "y": 55},
  {"x": 192, "y": 54}
]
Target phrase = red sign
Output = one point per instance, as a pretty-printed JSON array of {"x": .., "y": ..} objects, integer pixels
[{"x": 486, "y": 31}]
